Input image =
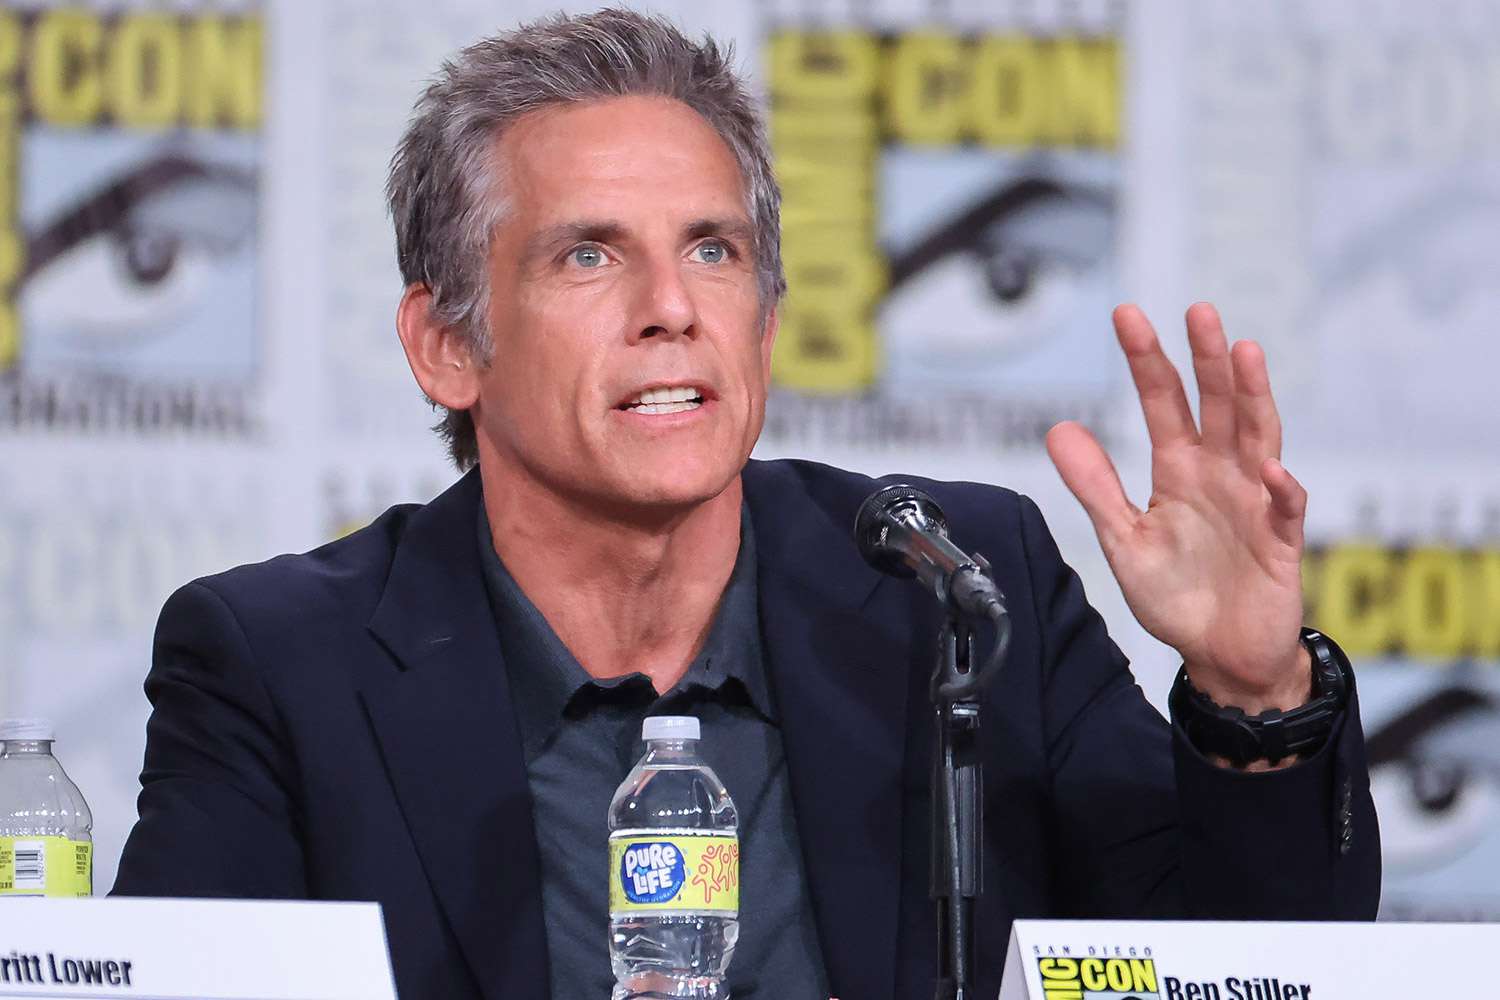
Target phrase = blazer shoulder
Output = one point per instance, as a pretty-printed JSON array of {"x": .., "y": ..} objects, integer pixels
[{"x": 340, "y": 580}]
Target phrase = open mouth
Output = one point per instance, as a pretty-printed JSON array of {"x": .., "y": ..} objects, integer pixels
[{"x": 666, "y": 399}]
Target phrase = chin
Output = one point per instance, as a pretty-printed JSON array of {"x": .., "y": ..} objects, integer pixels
[{"x": 675, "y": 484}]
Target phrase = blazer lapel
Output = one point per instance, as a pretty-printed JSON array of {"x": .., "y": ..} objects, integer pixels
[
  {"x": 842, "y": 683},
  {"x": 448, "y": 734}
]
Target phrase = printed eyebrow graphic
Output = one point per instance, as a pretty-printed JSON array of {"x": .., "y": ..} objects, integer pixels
[
  {"x": 969, "y": 230},
  {"x": 112, "y": 209},
  {"x": 1399, "y": 738},
  {"x": 1411, "y": 237}
]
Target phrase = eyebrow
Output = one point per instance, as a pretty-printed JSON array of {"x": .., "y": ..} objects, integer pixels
[
  {"x": 737, "y": 230},
  {"x": 542, "y": 243},
  {"x": 565, "y": 234}
]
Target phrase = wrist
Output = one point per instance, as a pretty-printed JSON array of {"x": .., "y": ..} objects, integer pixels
[
  {"x": 1230, "y": 736},
  {"x": 1295, "y": 686}
]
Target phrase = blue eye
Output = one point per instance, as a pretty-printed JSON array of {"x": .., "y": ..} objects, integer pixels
[
  {"x": 711, "y": 252},
  {"x": 589, "y": 257}
]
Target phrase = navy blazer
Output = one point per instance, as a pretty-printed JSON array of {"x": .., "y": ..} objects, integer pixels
[{"x": 336, "y": 725}]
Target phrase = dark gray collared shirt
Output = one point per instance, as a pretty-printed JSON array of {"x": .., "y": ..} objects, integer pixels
[{"x": 582, "y": 736}]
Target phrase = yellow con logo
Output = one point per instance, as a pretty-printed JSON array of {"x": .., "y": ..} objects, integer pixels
[
  {"x": 72, "y": 68},
  {"x": 1432, "y": 602},
  {"x": 1098, "y": 978},
  {"x": 841, "y": 97}
]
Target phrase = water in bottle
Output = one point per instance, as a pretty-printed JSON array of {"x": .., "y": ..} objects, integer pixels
[
  {"x": 46, "y": 848},
  {"x": 674, "y": 871}
]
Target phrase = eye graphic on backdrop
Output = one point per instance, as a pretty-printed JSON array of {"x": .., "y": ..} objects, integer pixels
[
  {"x": 1426, "y": 245},
  {"x": 1401, "y": 303},
  {"x": 1434, "y": 771},
  {"x": 998, "y": 279},
  {"x": 128, "y": 258}
]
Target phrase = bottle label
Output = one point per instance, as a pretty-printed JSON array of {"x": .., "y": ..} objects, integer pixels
[
  {"x": 655, "y": 870},
  {"x": 46, "y": 866}
]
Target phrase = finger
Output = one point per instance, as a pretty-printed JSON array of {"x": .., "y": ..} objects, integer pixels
[
  {"x": 1256, "y": 419},
  {"x": 1215, "y": 374},
  {"x": 1169, "y": 419},
  {"x": 1288, "y": 502},
  {"x": 1087, "y": 471}
]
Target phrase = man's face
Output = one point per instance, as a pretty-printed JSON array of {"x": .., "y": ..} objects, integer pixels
[{"x": 631, "y": 350}]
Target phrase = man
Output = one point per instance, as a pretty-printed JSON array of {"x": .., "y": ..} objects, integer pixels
[{"x": 433, "y": 712}]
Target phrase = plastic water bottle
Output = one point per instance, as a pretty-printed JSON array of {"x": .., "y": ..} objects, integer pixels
[
  {"x": 46, "y": 847},
  {"x": 674, "y": 871}
]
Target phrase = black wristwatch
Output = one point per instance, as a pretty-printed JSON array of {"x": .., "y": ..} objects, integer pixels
[{"x": 1274, "y": 734}]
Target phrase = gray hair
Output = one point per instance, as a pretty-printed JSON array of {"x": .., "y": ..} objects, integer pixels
[{"x": 444, "y": 193}]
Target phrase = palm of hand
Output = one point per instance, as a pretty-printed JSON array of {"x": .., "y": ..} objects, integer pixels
[{"x": 1211, "y": 567}]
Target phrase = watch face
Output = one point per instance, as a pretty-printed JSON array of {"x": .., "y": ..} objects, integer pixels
[{"x": 1331, "y": 667}]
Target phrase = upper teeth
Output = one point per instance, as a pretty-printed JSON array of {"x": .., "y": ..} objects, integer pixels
[{"x": 669, "y": 394}]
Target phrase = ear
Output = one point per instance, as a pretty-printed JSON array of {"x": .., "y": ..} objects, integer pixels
[
  {"x": 438, "y": 354},
  {"x": 771, "y": 324}
]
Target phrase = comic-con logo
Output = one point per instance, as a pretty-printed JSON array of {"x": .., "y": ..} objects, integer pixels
[
  {"x": 948, "y": 229},
  {"x": 1420, "y": 618},
  {"x": 652, "y": 872},
  {"x": 1430, "y": 602},
  {"x": 129, "y": 174},
  {"x": 1098, "y": 978}
]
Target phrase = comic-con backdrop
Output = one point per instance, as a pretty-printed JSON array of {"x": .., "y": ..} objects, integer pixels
[{"x": 198, "y": 366}]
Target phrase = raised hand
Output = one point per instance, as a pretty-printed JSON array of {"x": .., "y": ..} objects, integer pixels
[{"x": 1212, "y": 565}]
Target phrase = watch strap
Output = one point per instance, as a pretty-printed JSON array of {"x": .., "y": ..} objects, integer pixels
[{"x": 1275, "y": 734}]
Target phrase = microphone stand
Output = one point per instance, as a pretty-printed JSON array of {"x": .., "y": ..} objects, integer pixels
[
  {"x": 969, "y": 594},
  {"x": 901, "y": 530},
  {"x": 958, "y": 809}
]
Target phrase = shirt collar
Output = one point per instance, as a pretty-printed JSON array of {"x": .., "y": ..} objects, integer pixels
[{"x": 545, "y": 677}]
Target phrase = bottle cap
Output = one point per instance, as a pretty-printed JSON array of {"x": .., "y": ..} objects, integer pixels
[
  {"x": 27, "y": 729},
  {"x": 670, "y": 727}
]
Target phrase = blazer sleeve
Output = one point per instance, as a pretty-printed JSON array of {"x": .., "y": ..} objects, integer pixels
[
  {"x": 1147, "y": 826},
  {"x": 217, "y": 804}
]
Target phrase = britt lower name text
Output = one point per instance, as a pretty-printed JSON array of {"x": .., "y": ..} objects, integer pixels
[{"x": 20, "y": 968}]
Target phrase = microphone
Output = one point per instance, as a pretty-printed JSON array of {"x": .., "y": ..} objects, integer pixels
[{"x": 901, "y": 530}]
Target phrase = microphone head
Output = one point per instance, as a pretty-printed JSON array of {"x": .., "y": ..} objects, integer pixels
[{"x": 885, "y": 508}]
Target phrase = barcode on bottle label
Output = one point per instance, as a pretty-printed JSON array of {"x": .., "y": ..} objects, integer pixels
[
  {"x": 40, "y": 865},
  {"x": 30, "y": 865}
]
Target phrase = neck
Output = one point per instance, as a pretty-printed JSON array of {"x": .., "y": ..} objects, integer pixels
[{"x": 626, "y": 594}]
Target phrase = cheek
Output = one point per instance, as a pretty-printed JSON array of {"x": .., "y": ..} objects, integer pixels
[{"x": 553, "y": 355}]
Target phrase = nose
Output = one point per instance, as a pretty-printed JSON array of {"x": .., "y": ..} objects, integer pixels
[{"x": 666, "y": 306}]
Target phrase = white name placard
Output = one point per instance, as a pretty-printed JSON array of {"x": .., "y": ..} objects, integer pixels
[
  {"x": 165, "y": 949},
  {"x": 1205, "y": 960}
]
